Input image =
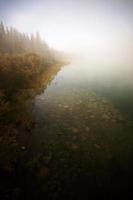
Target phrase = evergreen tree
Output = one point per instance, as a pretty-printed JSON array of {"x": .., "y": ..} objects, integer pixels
[{"x": 14, "y": 42}]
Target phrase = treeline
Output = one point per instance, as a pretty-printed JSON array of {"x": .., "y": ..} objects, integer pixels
[
  {"x": 14, "y": 42},
  {"x": 24, "y": 60}
]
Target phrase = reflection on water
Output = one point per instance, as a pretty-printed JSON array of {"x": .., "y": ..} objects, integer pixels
[{"x": 83, "y": 137}]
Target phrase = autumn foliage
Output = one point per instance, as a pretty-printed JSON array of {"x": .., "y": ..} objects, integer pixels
[{"x": 23, "y": 60}]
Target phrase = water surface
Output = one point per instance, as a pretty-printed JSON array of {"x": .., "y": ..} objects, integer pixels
[{"x": 83, "y": 136}]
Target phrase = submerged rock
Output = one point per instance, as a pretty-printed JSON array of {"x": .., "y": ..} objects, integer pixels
[
  {"x": 75, "y": 147},
  {"x": 87, "y": 129},
  {"x": 75, "y": 130},
  {"x": 106, "y": 117},
  {"x": 43, "y": 173},
  {"x": 97, "y": 146},
  {"x": 66, "y": 106},
  {"x": 23, "y": 148},
  {"x": 92, "y": 116}
]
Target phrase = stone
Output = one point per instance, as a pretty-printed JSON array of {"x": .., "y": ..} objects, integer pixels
[
  {"x": 23, "y": 148},
  {"x": 43, "y": 172},
  {"x": 87, "y": 129},
  {"x": 66, "y": 106},
  {"x": 75, "y": 130},
  {"x": 74, "y": 147},
  {"x": 97, "y": 146},
  {"x": 105, "y": 116}
]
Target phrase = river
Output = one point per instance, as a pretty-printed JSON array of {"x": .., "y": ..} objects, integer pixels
[{"x": 83, "y": 140}]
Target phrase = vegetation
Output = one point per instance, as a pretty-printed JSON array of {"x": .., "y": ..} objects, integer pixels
[
  {"x": 23, "y": 60},
  {"x": 14, "y": 42},
  {"x": 26, "y": 64}
]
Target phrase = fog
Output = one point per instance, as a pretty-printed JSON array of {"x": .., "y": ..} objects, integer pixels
[
  {"x": 96, "y": 32},
  {"x": 66, "y": 109}
]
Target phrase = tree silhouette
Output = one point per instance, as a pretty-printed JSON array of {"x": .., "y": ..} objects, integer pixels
[{"x": 14, "y": 42}]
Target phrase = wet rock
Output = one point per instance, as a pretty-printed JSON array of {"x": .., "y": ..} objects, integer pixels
[
  {"x": 120, "y": 119},
  {"x": 23, "y": 148},
  {"x": 106, "y": 117},
  {"x": 14, "y": 140},
  {"x": 75, "y": 130},
  {"x": 83, "y": 138},
  {"x": 74, "y": 137},
  {"x": 66, "y": 106},
  {"x": 75, "y": 147},
  {"x": 78, "y": 103},
  {"x": 87, "y": 129},
  {"x": 104, "y": 101},
  {"x": 97, "y": 146},
  {"x": 43, "y": 173}
]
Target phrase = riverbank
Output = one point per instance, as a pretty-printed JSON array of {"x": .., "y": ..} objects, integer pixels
[
  {"x": 22, "y": 78},
  {"x": 80, "y": 146}
]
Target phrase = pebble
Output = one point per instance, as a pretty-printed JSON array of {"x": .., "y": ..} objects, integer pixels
[
  {"x": 66, "y": 106},
  {"x": 105, "y": 116},
  {"x": 23, "y": 148},
  {"x": 44, "y": 172},
  {"x": 83, "y": 138},
  {"x": 74, "y": 147},
  {"x": 97, "y": 146},
  {"x": 87, "y": 129},
  {"x": 75, "y": 130}
]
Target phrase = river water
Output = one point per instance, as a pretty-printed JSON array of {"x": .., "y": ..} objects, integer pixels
[{"x": 83, "y": 140}]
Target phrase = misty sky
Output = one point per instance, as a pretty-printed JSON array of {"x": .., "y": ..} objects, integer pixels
[{"x": 101, "y": 27}]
